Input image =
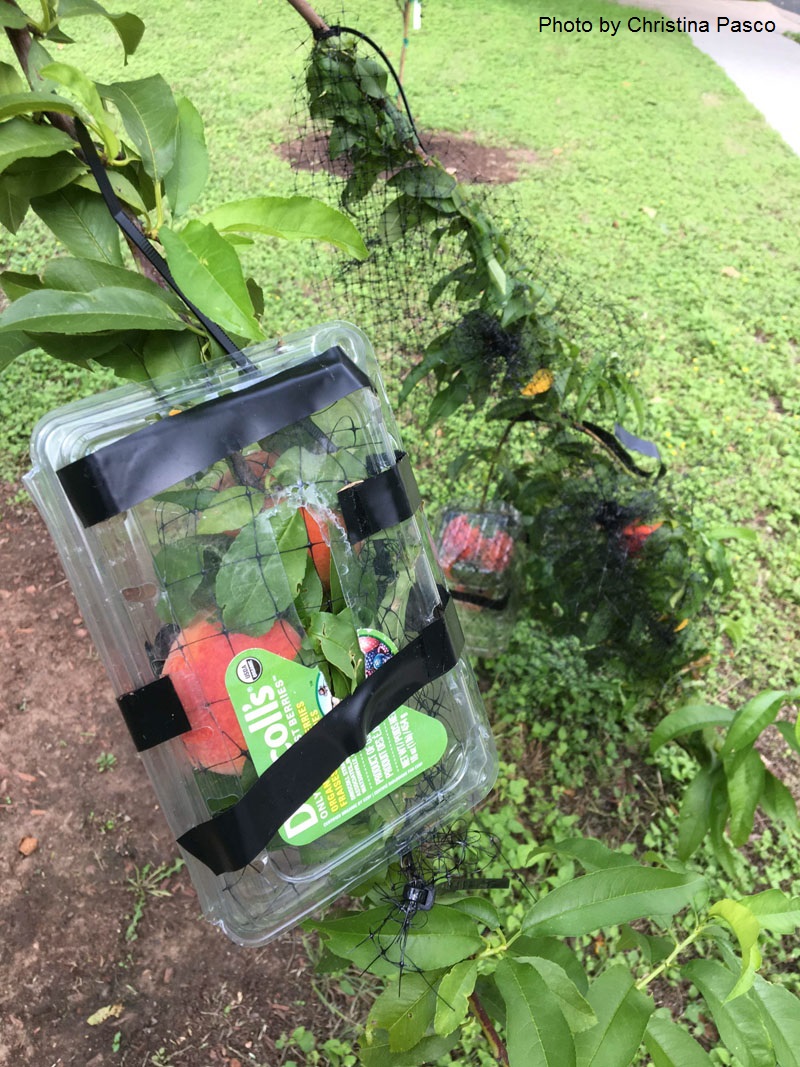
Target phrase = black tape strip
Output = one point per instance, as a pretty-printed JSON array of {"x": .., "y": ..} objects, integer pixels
[
  {"x": 152, "y": 459},
  {"x": 380, "y": 502},
  {"x": 496, "y": 604},
  {"x": 613, "y": 445},
  {"x": 235, "y": 837},
  {"x": 637, "y": 444},
  {"x": 154, "y": 714}
]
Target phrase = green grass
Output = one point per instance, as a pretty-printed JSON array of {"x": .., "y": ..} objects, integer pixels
[{"x": 660, "y": 187}]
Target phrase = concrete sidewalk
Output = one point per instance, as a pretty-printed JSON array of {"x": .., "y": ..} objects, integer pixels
[{"x": 765, "y": 66}]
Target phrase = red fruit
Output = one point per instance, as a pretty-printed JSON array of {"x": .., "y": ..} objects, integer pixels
[
  {"x": 635, "y": 534},
  {"x": 318, "y": 547},
  {"x": 197, "y": 662}
]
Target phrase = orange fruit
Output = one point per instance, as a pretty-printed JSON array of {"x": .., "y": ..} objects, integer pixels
[
  {"x": 318, "y": 547},
  {"x": 197, "y": 662}
]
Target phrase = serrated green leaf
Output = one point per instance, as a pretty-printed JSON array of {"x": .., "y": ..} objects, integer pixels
[
  {"x": 551, "y": 948},
  {"x": 21, "y": 139},
  {"x": 180, "y": 567},
  {"x": 150, "y": 116},
  {"x": 81, "y": 221},
  {"x": 85, "y": 93},
  {"x": 10, "y": 79},
  {"x": 191, "y": 499},
  {"x": 687, "y": 720},
  {"x": 375, "y": 1052},
  {"x": 775, "y": 911},
  {"x": 187, "y": 177},
  {"x": 740, "y": 1025},
  {"x": 746, "y": 928},
  {"x": 622, "y": 1013},
  {"x": 670, "y": 1046},
  {"x": 452, "y": 1003},
  {"x": 13, "y": 17},
  {"x": 209, "y": 272},
  {"x": 86, "y": 275},
  {"x": 12, "y": 345},
  {"x": 405, "y": 1010},
  {"x": 778, "y": 801},
  {"x": 338, "y": 641},
  {"x": 14, "y": 203},
  {"x": 592, "y": 855},
  {"x": 55, "y": 311},
  {"x": 32, "y": 177},
  {"x": 780, "y": 1012},
  {"x": 537, "y": 1032},
  {"x": 231, "y": 509},
  {"x": 751, "y": 719},
  {"x": 251, "y": 584},
  {"x": 482, "y": 910},
  {"x": 574, "y": 1007},
  {"x": 130, "y": 28},
  {"x": 745, "y": 777},
  {"x": 694, "y": 818},
  {"x": 16, "y": 283},
  {"x": 122, "y": 186},
  {"x": 169, "y": 353},
  {"x": 439, "y": 939},
  {"x": 32, "y": 103},
  {"x": 608, "y": 898},
  {"x": 294, "y": 218}
]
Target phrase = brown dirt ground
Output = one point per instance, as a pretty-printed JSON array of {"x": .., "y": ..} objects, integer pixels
[
  {"x": 181, "y": 986},
  {"x": 461, "y": 154}
]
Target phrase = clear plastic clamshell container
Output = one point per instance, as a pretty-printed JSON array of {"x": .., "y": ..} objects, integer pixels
[{"x": 247, "y": 549}]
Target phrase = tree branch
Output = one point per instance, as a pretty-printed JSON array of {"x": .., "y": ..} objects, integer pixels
[
  {"x": 492, "y": 1036},
  {"x": 306, "y": 11}
]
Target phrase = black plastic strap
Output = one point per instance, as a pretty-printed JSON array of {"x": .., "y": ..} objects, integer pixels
[
  {"x": 380, "y": 502},
  {"x": 235, "y": 837},
  {"x": 154, "y": 257},
  {"x": 492, "y": 604},
  {"x": 614, "y": 446},
  {"x": 153, "y": 459},
  {"x": 154, "y": 714}
]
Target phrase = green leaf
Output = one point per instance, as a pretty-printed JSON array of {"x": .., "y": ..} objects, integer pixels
[
  {"x": 180, "y": 567},
  {"x": 20, "y": 139},
  {"x": 209, "y": 272},
  {"x": 376, "y": 1053},
  {"x": 295, "y": 218},
  {"x": 787, "y": 732},
  {"x": 169, "y": 353},
  {"x": 694, "y": 818},
  {"x": 338, "y": 641},
  {"x": 122, "y": 186},
  {"x": 129, "y": 27},
  {"x": 11, "y": 80},
  {"x": 687, "y": 720},
  {"x": 231, "y": 509},
  {"x": 537, "y": 1032},
  {"x": 53, "y": 311},
  {"x": 293, "y": 545},
  {"x": 591, "y": 854},
  {"x": 610, "y": 897},
  {"x": 775, "y": 911},
  {"x": 16, "y": 284},
  {"x": 150, "y": 116},
  {"x": 780, "y": 1011},
  {"x": 481, "y": 910},
  {"x": 745, "y": 787},
  {"x": 740, "y": 1025},
  {"x": 550, "y": 948},
  {"x": 14, "y": 203},
  {"x": 12, "y": 345},
  {"x": 405, "y": 1010},
  {"x": 670, "y": 1046},
  {"x": 778, "y": 802},
  {"x": 251, "y": 585},
  {"x": 32, "y": 177},
  {"x": 444, "y": 939},
  {"x": 575, "y": 1008},
  {"x": 85, "y": 93},
  {"x": 746, "y": 928},
  {"x": 32, "y": 103},
  {"x": 187, "y": 178},
  {"x": 81, "y": 221},
  {"x": 622, "y": 1014},
  {"x": 86, "y": 275},
  {"x": 13, "y": 17},
  {"x": 455, "y": 989},
  {"x": 751, "y": 719}
]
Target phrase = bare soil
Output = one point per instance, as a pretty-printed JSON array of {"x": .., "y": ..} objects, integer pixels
[
  {"x": 460, "y": 154},
  {"x": 180, "y": 993}
]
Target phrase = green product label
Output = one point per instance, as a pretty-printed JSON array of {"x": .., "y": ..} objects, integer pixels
[{"x": 277, "y": 701}]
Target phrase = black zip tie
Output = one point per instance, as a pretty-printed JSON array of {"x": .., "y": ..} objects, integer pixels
[{"x": 151, "y": 253}]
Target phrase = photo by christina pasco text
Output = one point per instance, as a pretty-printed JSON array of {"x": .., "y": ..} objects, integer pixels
[{"x": 641, "y": 24}]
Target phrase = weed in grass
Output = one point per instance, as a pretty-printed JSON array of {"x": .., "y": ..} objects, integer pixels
[{"x": 148, "y": 882}]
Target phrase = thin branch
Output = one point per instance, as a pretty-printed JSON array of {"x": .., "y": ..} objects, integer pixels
[
  {"x": 306, "y": 11},
  {"x": 492, "y": 1036}
]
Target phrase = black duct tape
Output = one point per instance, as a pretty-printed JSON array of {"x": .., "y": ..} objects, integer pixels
[
  {"x": 154, "y": 714},
  {"x": 637, "y": 444},
  {"x": 380, "y": 502},
  {"x": 129, "y": 471},
  {"x": 234, "y": 838},
  {"x": 490, "y": 603}
]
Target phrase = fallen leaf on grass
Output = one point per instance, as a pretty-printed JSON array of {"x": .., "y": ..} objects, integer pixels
[
  {"x": 731, "y": 272},
  {"x": 110, "y": 1011},
  {"x": 28, "y": 845},
  {"x": 649, "y": 211}
]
